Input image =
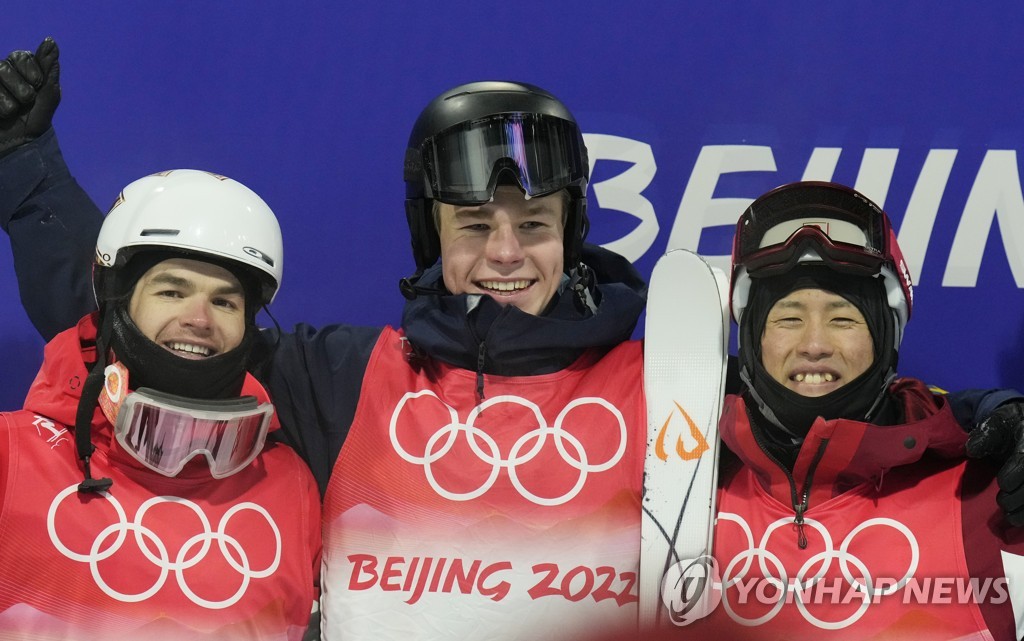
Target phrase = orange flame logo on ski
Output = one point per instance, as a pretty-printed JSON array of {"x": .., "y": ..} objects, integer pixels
[{"x": 685, "y": 454}]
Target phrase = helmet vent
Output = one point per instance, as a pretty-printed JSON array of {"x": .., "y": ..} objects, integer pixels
[{"x": 160, "y": 232}]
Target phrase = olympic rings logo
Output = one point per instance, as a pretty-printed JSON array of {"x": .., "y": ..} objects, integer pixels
[
  {"x": 156, "y": 552},
  {"x": 525, "y": 448},
  {"x": 800, "y": 584}
]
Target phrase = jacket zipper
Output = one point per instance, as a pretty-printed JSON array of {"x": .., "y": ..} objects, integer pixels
[
  {"x": 801, "y": 507},
  {"x": 480, "y": 354},
  {"x": 800, "y": 502}
]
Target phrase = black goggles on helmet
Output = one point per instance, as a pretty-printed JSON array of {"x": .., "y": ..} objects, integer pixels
[
  {"x": 785, "y": 226},
  {"x": 462, "y": 163}
]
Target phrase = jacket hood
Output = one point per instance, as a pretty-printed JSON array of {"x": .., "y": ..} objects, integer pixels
[{"x": 477, "y": 333}]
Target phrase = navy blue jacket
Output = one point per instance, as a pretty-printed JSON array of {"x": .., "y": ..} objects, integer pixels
[{"x": 53, "y": 227}]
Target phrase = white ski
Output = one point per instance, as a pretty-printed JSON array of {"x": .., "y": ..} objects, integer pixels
[{"x": 685, "y": 355}]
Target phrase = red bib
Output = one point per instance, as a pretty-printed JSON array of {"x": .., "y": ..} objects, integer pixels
[{"x": 451, "y": 516}]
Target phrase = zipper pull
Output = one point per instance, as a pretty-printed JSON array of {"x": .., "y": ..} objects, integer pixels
[
  {"x": 801, "y": 537},
  {"x": 480, "y": 371}
]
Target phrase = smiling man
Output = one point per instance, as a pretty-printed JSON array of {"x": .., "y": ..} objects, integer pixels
[
  {"x": 208, "y": 299},
  {"x": 143, "y": 418},
  {"x": 509, "y": 248},
  {"x": 497, "y": 449},
  {"x": 850, "y": 498},
  {"x": 815, "y": 342}
]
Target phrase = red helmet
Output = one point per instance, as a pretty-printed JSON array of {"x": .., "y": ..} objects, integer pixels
[{"x": 819, "y": 222}]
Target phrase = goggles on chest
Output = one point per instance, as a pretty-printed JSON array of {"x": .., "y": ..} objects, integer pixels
[{"x": 165, "y": 431}]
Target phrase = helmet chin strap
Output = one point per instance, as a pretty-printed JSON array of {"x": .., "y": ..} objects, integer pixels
[
  {"x": 411, "y": 288},
  {"x": 83, "y": 428},
  {"x": 581, "y": 280},
  {"x": 86, "y": 408}
]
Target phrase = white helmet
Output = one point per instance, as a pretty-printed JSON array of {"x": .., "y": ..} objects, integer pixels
[{"x": 196, "y": 212}]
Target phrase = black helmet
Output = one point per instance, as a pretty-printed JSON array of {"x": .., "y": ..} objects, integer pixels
[{"x": 469, "y": 135}]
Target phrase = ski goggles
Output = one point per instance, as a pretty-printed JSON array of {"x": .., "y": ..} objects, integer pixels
[
  {"x": 837, "y": 224},
  {"x": 165, "y": 431},
  {"x": 462, "y": 163}
]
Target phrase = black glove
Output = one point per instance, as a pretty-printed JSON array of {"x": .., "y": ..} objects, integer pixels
[
  {"x": 1001, "y": 436},
  {"x": 29, "y": 94}
]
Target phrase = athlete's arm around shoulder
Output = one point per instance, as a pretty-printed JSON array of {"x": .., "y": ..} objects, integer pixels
[{"x": 315, "y": 377}]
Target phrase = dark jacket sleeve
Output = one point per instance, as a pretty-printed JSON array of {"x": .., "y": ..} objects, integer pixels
[
  {"x": 733, "y": 384},
  {"x": 992, "y": 547},
  {"x": 53, "y": 226},
  {"x": 972, "y": 406},
  {"x": 314, "y": 377}
]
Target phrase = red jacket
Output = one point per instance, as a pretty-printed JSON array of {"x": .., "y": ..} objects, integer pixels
[
  {"x": 879, "y": 532},
  {"x": 156, "y": 558}
]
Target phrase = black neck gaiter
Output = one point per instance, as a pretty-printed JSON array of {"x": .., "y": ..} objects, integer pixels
[
  {"x": 788, "y": 415},
  {"x": 150, "y": 365}
]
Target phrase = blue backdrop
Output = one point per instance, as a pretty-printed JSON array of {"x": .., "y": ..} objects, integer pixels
[{"x": 690, "y": 110}]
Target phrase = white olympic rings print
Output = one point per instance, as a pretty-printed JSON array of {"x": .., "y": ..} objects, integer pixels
[
  {"x": 441, "y": 442},
  {"x": 159, "y": 555},
  {"x": 800, "y": 583}
]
